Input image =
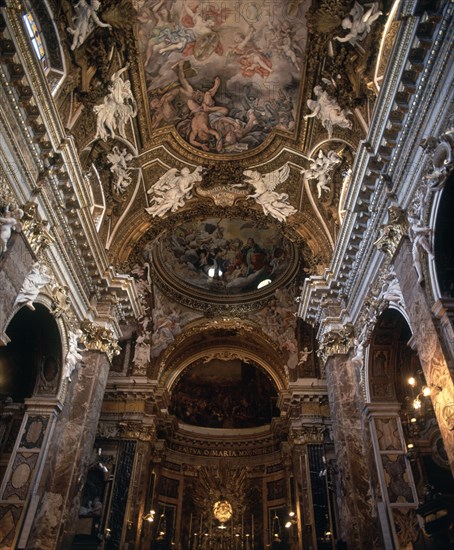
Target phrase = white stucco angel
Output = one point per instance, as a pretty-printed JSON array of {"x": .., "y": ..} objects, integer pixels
[
  {"x": 37, "y": 279},
  {"x": 357, "y": 360},
  {"x": 327, "y": 110},
  {"x": 9, "y": 221},
  {"x": 84, "y": 21},
  {"x": 304, "y": 355},
  {"x": 274, "y": 204},
  {"x": 390, "y": 291},
  {"x": 120, "y": 169},
  {"x": 73, "y": 357},
  {"x": 358, "y": 23},
  {"x": 117, "y": 108},
  {"x": 420, "y": 237},
  {"x": 172, "y": 190},
  {"x": 320, "y": 169}
]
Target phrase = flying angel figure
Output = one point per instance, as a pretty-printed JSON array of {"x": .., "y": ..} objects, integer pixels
[
  {"x": 274, "y": 204},
  {"x": 358, "y": 22},
  {"x": 85, "y": 21},
  {"x": 172, "y": 190}
]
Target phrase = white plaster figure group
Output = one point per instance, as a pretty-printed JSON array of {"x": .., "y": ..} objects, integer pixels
[
  {"x": 358, "y": 23},
  {"x": 85, "y": 20},
  {"x": 117, "y": 109},
  {"x": 327, "y": 110},
  {"x": 320, "y": 169},
  {"x": 272, "y": 203},
  {"x": 37, "y": 279},
  {"x": 119, "y": 168},
  {"x": 172, "y": 189}
]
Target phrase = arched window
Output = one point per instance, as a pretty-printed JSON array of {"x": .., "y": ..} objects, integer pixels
[
  {"x": 35, "y": 38},
  {"x": 40, "y": 27}
]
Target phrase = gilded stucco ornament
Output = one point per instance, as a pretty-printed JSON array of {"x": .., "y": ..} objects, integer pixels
[
  {"x": 308, "y": 435},
  {"x": 392, "y": 233},
  {"x": 335, "y": 342},
  {"x": 60, "y": 300},
  {"x": 35, "y": 230},
  {"x": 98, "y": 338},
  {"x": 223, "y": 184},
  {"x": 137, "y": 430}
]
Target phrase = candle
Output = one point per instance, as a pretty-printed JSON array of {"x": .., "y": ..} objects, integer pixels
[{"x": 252, "y": 531}]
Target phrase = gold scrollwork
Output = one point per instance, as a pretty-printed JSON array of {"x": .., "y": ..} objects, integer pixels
[
  {"x": 392, "y": 233},
  {"x": 335, "y": 342},
  {"x": 99, "y": 338}
]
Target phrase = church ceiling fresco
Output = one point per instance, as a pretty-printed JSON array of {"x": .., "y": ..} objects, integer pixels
[
  {"x": 225, "y": 74},
  {"x": 226, "y": 256},
  {"x": 218, "y": 139}
]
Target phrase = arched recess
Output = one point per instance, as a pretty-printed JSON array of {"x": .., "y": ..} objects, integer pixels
[
  {"x": 200, "y": 341},
  {"x": 443, "y": 285},
  {"x": 407, "y": 444},
  {"x": 32, "y": 360},
  {"x": 30, "y": 367}
]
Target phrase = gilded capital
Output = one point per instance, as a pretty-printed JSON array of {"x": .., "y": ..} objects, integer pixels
[{"x": 98, "y": 338}]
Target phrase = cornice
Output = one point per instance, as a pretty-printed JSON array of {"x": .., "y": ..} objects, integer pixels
[
  {"x": 381, "y": 160},
  {"x": 63, "y": 193}
]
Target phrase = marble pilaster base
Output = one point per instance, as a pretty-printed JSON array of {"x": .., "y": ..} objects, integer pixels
[
  {"x": 70, "y": 453},
  {"x": 358, "y": 524}
]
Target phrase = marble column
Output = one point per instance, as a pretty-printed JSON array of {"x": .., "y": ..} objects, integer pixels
[
  {"x": 427, "y": 343},
  {"x": 358, "y": 524},
  {"x": 70, "y": 452}
]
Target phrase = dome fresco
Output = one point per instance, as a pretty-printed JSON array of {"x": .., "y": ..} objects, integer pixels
[{"x": 225, "y": 256}]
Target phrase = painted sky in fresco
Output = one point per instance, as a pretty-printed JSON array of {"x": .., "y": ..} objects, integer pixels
[
  {"x": 225, "y": 256},
  {"x": 224, "y": 73}
]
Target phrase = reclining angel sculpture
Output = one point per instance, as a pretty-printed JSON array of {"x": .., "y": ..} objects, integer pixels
[
  {"x": 172, "y": 190},
  {"x": 272, "y": 203}
]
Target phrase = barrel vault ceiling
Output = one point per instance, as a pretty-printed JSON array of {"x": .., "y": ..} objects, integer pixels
[{"x": 217, "y": 142}]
